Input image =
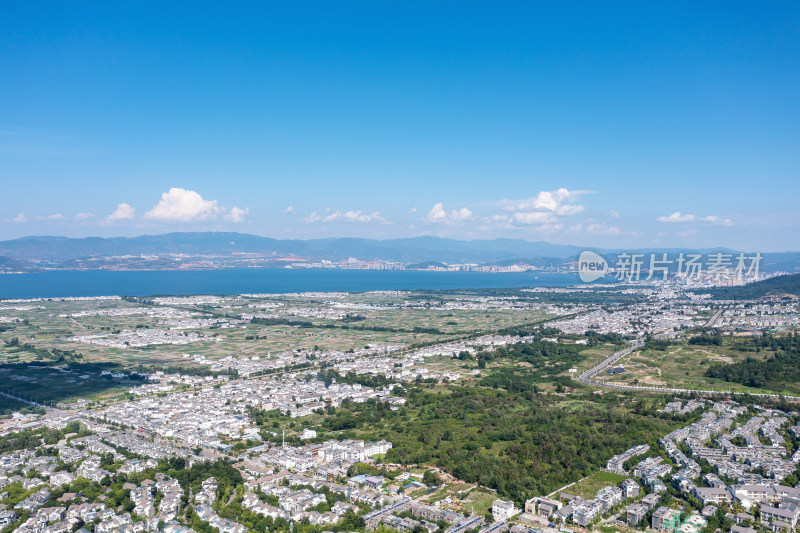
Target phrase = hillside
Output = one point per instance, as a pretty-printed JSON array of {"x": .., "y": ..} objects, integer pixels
[
  {"x": 774, "y": 286},
  {"x": 10, "y": 264},
  {"x": 780, "y": 372}
]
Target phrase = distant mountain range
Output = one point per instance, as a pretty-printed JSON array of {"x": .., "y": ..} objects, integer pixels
[
  {"x": 60, "y": 250},
  {"x": 224, "y": 249}
]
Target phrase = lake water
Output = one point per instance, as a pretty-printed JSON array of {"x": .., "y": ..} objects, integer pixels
[{"x": 66, "y": 283}]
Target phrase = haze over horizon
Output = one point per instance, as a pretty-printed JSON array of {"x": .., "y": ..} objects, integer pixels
[{"x": 611, "y": 126}]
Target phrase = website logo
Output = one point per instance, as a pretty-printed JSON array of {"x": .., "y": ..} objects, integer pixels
[{"x": 591, "y": 266}]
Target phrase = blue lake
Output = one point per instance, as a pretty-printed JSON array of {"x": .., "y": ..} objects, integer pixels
[{"x": 65, "y": 283}]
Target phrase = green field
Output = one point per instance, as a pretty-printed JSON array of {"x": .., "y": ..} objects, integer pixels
[
  {"x": 386, "y": 318},
  {"x": 46, "y": 383},
  {"x": 683, "y": 365}
]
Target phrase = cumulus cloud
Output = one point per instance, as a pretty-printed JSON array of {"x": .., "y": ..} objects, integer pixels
[
  {"x": 548, "y": 201},
  {"x": 676, "y": 217},
  {"x": 354, "y": 216},
  {"x": 237, "y": 215},
  {"x": 688, "y": 217},
  {"x": 545, "y": 207},
  {"x": 439, "y": 215},
  {"x": 122, "y": 212},
  {"x": 54, "y": 216},
  {"x": 534, "y": 217},
  {"x": 346, "y": 216},
  {"x": 80, "y": 217},
  {"x": 182, "y": 205},
  {"x": 20, "y": 218},
  {"x": 495, "y": 222},
  {"x": 289, "y": 210}
]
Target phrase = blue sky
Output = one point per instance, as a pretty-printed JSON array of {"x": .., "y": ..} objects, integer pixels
[{"x": 606, "y": 124}]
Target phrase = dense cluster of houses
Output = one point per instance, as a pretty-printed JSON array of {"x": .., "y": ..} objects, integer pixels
[
  {"x": 616, "y": 463},
  {"x": 753, "y": 471},
  {"x": 138, "y": 338},
  {"x": 759, "y": 316},
  {"x": 332, "y": 457},
  {"x": 682, "y": 408},
  {"x": 201, "y": 417},
  {"x": 656, "y": 318}
]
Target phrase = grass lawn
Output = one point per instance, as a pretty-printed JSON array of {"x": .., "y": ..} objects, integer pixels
[
  {"x": 588, "y": 487},
  {"x": 480, "y": 501},
  {"x": 615, "y": 528},
  {"x": 454, "y": 490}
]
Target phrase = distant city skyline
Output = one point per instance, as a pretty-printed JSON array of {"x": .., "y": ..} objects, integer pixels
[{"x": 615, "y": 126}]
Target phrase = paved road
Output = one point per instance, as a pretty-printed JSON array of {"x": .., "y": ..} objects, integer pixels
[
  {"x": 587, "y": 377},
  {"x": 713, "y": 319}
]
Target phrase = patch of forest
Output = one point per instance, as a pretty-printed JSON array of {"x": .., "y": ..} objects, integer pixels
[
  {"x": 780, "y": 372},
  {"x": 520, "y": 444}
]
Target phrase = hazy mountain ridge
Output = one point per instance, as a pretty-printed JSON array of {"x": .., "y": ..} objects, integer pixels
[
  {"x": 406, "y": 250},
  {"x": 93, "y": 252}
]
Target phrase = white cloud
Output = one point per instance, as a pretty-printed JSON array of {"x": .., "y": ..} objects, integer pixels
[
  {"x": 347, "y": 216},
  {"x": 313, "y": 217},
  {"x": 83, "y": 216},
  {"x": 439, "y": 215},
  {"x": 569, "y": 210},
  {"x": 495, "y": 222},
  {"x": 289, "y": 210},
  {"x": 20, "y": 218},
  {"x": 719, "y": 221},
  {"x": 677, "y": 217},
  {"x": 122, "y": 212},
  {"x": 535, "y": 217},
  {"x": 548, "y": 228},
  {"x": 182, "y": 205},
  {"x": 354, "y": 216},
  {"x": 548, "y": 201},
  {"x": 710, "y": 219},
  {"x": 237, "y": 215},
  {"x": 54, "y": 216},
  {"x": 602, "y": 229},
  {"x": 545, "y": 208},
  {"x": 613, "y": 213}
]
